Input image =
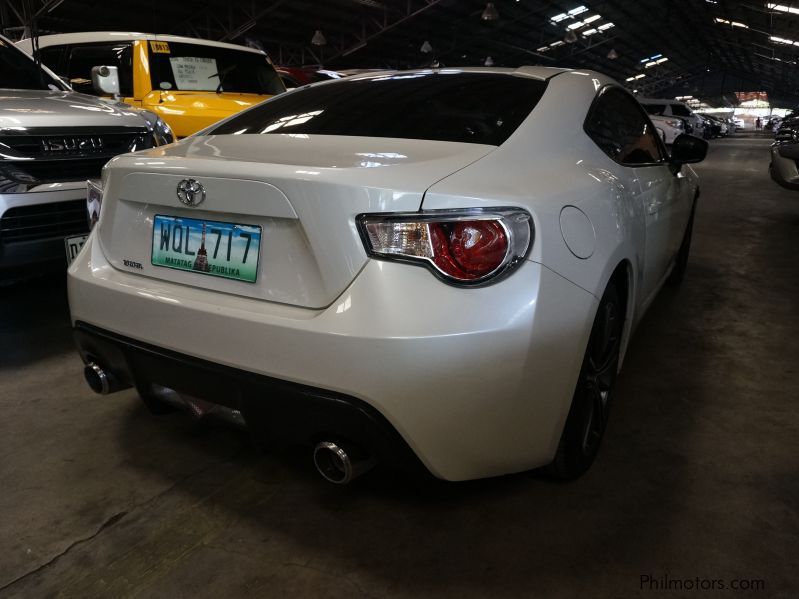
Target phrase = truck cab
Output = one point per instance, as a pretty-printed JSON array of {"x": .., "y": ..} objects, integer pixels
[{"x": 190, "y": 83}]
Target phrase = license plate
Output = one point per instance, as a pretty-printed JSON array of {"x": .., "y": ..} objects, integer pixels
[
  {"x": 73, "y": 245},
  {"x": 207, "y": 247}
]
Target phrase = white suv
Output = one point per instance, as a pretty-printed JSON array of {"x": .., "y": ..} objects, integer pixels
[
  {"x": 53, "y": 139},
  {"x": 673, "y": 108},
  {"x": 669, "y": 127}
]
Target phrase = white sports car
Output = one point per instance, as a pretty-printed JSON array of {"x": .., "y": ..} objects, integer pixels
[{"x": 437, "y": 268}]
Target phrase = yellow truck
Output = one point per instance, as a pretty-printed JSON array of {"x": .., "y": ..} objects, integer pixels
[{"x": 190, "y": 83}]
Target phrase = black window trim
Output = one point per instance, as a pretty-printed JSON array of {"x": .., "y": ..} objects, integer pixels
[
  {"x": 661, "y": 145},
  {"x": 59, "y": 67}
]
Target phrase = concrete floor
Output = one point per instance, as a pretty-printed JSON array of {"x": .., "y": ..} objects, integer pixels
[{"x": 698, "y": 476}]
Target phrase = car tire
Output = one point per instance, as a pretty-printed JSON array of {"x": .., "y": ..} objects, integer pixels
[
  {"x": 681, "y": 261},
  {"x": 588, "y": 414}
]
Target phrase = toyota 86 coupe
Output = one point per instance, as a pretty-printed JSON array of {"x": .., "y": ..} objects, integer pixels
[{"x": 437, "y": 270}]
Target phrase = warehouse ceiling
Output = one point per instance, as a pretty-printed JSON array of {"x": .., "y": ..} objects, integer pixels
[{"x": 712, "y": 49}]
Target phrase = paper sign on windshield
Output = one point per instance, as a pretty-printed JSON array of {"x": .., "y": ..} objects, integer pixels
[
  {"x": 194, "y": 72},
  {"x": 159, "y": 47}
]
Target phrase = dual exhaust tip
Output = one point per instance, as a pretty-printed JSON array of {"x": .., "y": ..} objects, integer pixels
[
  {"x": 100, "y": 380},
  {"x": 340, "y": 464},
  {"x": 337, "y": 462}
]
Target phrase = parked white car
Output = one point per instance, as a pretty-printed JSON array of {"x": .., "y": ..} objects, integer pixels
[
  {"x": 429, "y": 267},
  {"x": 674, "y": 108},
  {"x": 668, "y": 127}
]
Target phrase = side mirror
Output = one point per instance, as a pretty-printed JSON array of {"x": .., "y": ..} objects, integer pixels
[
  {"x": 687, "y": 149},
  {"x": 106, "y": 80}
]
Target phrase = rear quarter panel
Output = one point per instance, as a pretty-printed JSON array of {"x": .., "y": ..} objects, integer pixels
[{"x": 550, "y": 163}]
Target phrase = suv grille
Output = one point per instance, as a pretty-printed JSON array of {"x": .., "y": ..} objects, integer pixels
[
  {"x": 55, "y": 155},
  {"x": 43, "y": 221}
]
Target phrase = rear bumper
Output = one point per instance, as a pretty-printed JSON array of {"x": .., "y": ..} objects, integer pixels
[
  {"x": 477, "y": 382},
  {"x": 275, "y": 410}
]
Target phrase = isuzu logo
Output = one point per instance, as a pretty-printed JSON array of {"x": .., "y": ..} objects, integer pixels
[
  {"x": 191, "y": 192},
  {"x": 72, "y": 144}
]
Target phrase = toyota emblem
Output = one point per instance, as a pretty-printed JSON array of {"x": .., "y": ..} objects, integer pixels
[{"x": 191, "y": 192}]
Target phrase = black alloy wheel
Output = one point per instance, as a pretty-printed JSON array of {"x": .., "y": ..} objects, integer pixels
[{"x": 588, "y": 415}]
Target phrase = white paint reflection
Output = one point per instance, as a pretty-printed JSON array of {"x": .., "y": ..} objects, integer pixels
[{"x": 345, "y": 305}]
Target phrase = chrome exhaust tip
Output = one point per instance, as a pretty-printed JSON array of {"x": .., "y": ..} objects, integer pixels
[
  {"x": 102, "y": 381},
  {"x": 97, "y": 378},
  {"x": 339, "y": 465}
]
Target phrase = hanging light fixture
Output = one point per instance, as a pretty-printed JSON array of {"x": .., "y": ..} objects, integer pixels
[
  {"x": 426, "y": 48},
  {"x": 319, "y": 38},
  {"x": 490, "y": 12},
  {"x": 489, "y": 62},
  {"x": 613, "y": 55},
  {"x": 570, "y": 37}
]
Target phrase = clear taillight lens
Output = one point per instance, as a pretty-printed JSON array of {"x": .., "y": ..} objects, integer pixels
[
  {"x": 464, "y": 247},
  {"x": 94, "y": 201}
]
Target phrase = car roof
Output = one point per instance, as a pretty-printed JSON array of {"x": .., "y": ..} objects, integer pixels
[
  {"x": 660, "y": 101},
  {"x": 90, "y": 37},
  {"x": 534, "y": 72}
]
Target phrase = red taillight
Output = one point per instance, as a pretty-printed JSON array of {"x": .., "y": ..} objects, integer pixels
[
  {"x": 468, "y": 250},
  {"x": 470, "y": 247}
]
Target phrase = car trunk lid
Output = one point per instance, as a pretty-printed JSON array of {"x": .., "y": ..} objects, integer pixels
[{"x": 304, "y": 192}]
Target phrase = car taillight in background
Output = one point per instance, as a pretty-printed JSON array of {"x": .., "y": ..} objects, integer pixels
[
  {"x": 462, "y": 247},
  {"x": 94, "y": 201}
]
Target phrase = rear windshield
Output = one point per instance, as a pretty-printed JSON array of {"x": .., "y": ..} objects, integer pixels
[
  {"x": 657, "y": 109},
  {"x": 18, "y": 71},
  {"x": 195, "y": 67},
  {"x": 477, "y": 108}
]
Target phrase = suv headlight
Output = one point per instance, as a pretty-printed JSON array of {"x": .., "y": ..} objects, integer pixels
[
  {"x": 159, "y": 130},
  {"x": 461, "y": 247}
]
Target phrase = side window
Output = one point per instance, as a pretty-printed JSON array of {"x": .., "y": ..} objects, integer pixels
[
  {"x": 619, "y": 126},
  {"x": 83, "y": 58},
  {"x": 51, "y": 57},
  {"x": 657, "y": 109},
  {"x": 680, "y": 110}
]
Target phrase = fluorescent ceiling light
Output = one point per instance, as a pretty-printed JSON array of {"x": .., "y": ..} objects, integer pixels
[
  {"x": 783, "y": 8},
  {"x": 636, "y": 77},
  {"x": 565, "y": 15},
  {"x": 605, "y": 26},
  {"x": 591, "y": 19},
  {"x": 588, "y": 32},
  {"x": 653, "y": 63},
  {"x": 782, "y": 40},
  {"x": 731, "y": 23}
]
